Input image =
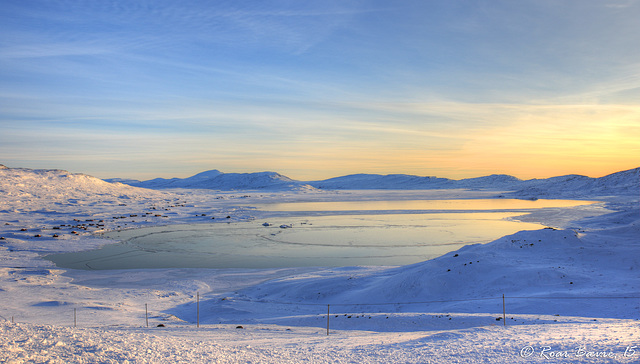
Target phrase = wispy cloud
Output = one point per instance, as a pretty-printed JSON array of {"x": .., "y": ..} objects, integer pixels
[
  {"x": 289, "y": 27},
  {"x": 325, "y": 87}
]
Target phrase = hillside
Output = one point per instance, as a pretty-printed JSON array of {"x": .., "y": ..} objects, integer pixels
[
  {"x": 569, "y": 186},
  {"x": 624, "y": 183},
  {"x": 620, "y": 183},
  {"x": 505, "y": 266},
  {"x": 46, "y": 187},
  {"x": 410, "y": 182},
  {"x": 382, "y": 182},
  {"x": 216, "y": 180},
  {"x": 68, "y": 184}
]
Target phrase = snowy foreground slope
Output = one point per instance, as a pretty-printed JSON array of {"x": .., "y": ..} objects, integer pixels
[{"x": 572, "y": 292}]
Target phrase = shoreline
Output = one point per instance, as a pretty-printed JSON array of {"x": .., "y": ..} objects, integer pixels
[
  {"x": 111, "y": 304},
  {"x": 396, "y": 219}
]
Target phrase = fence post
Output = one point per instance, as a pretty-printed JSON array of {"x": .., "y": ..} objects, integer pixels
[
  {"x": 504, "y": 312},
  {"x": 74, "y": 317},
  {"x": 198, "y": 309},
  {"x": 146, "y": 314},
  {"x": 328, "y": 306}
]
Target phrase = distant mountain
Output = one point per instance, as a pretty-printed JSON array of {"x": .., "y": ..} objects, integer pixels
[
  {"x": 409, "y": 182},
  {"x": 33, "y": 183},
  {"x": 382, "y": 182},
  {"x": 625, "y": 182},
  {"x": 190, "y": 182},
  {"x": 619, "y": 183},
  {"x": 494, "y": 181},
  {"x": 216, "y": 180}
]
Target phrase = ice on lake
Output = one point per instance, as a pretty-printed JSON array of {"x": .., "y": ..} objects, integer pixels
[{"x": 375, "y": 237}]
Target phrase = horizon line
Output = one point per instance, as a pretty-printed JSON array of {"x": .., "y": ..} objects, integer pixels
[{"x": 324, "y": 179}]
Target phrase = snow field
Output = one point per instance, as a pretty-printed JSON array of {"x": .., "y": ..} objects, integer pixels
[
  {"x": 611, "y": 341},
  {"x": 549, "y": 277}
]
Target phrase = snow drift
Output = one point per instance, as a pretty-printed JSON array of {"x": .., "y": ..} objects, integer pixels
[{"x": 536, "y": 266}]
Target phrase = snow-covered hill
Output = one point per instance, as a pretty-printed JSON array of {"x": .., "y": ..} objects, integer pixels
[
  {"x": 382, "y": 182},
  {"x": 569, "y": 186},
  {"x": 40, "y": 187},
  {"x": 535, "y": 266},
  {"x": 624, "y": 183},
  {"x": 494, "y": 181},
  {"x": 410, "y": 182},
  {"x": 216, "y": 180},
  {"x": 51, "y": 210}
]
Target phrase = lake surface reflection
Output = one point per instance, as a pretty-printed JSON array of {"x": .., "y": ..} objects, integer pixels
[
  {"x": 337, "y": 240},
  {"x": 475, "y": 204}
]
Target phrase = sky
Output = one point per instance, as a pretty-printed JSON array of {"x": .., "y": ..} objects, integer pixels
[{"x": 318, "y": 89}]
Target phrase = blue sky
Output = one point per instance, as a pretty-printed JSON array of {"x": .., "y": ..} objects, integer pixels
[{"x": 314, "y": 90}]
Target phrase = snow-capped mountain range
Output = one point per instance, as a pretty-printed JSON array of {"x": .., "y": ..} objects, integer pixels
[
  {"x": 405, "y": 181},
  {"x": 620, "y": 183},
  {"x": 625, "y": 182},
  {"x": 216, "y": 180}
]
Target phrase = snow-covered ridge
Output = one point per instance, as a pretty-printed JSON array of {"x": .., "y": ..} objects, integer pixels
[
  {"x": 625, "y": 182},
  {"x": 411, "y": 182},
  {"x": 376, "y": 181},
  {"x": 37, "y": 189},
  {"x": 38, "y": 182},
  {"x": 216, "y": 180}
]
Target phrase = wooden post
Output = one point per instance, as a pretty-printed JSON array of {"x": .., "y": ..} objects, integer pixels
[
  {"x": 74, "y": 317},
  {"x": 328, "y": 313},
  {"x": 504, "y": 312},
  {"x": 146, "y": 314},
  {"x": 198, "y": 309}
]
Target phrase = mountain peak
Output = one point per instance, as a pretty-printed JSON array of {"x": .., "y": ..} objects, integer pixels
[
  {"x": 216, "y": 180},
  {"x": 206, "y": 174}
]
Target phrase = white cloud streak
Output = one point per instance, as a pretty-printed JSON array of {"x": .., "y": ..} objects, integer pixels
[{"x": 422, "y": 84}]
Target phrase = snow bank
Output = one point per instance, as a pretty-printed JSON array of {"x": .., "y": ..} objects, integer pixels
[
  {"x": 558, "y": 342},
  {"x": 543, "y": 272}
]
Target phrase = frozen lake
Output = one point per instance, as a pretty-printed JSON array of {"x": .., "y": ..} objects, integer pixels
[
  {"x": 465, "y": 205},
  {"x": 354, "y": 233}
]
